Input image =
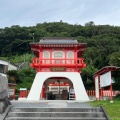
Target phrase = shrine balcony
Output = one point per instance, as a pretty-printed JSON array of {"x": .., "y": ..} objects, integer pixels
[{"x": 37, "y": 62}]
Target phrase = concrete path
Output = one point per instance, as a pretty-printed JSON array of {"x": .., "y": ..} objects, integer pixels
[{"x": 51, "y": 104}]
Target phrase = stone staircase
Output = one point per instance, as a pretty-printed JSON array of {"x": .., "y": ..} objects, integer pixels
[{"x": 23, "y": 113}]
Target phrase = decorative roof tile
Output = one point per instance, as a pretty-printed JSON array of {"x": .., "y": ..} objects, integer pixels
[{"x": 58, "y": 41}]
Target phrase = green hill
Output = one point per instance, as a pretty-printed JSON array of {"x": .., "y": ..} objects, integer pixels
[{"x": 103, "y": 44}]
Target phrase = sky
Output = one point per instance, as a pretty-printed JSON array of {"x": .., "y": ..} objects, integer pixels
[{"x": 32, "y": 12}]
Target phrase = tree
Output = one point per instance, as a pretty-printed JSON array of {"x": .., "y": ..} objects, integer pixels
[
  {"x": 13, "y": 76},
  {"x": 115, "y": 59},
  {"x": 91, "y": 23},
  {"x": 87, "y": 75}
]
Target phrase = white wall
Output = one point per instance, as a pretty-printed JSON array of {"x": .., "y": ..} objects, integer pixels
[
  {"x": 3, "y": 62},
  {"x": 10, "y": 66},
  {"x": 74, "y": 77},
  {"x": 69, "y": 55},
  {"x": 60, "y": 51}
]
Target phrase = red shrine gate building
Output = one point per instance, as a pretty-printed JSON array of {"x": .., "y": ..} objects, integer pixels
[{"x": 58, "y": 63}]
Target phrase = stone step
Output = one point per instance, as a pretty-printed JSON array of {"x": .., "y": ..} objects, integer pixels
[
  {"x": 97, "y": 109},
  {"x": 55, "y": 118},
  {"x": 56, "y": 114}
]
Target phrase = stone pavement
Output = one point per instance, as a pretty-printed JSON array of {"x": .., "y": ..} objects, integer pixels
[{"x": 51, "y": 104}]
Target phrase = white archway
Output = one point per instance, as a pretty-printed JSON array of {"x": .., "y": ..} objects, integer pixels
[{"x": 74, "y": 77}]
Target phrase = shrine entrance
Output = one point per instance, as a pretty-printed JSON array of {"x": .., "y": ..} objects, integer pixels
[
  {"x": 57, "y": 59},
  {"x": 57, "y": 88},
  {"x": 42, "y": 78}
]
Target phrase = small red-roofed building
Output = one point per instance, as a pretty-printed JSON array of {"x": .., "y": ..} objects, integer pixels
[{"x": 103, "y": 78}]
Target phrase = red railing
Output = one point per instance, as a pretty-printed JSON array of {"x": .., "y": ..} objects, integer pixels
[
  {"x": 105, "y": 93},
  {"x": 37, "y": 61}
]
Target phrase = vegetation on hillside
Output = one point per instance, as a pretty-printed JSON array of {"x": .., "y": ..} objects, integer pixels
[
  {"x": 103, "y": 44},
  {"x": 23, "y": 78}
]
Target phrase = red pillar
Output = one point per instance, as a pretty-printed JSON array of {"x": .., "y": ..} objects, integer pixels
[
  {"x": 75, "y": 56},
  {"x": 14, "y": 92},
  {"x": 50, "y": 56},
  {"x": 65, "y": 56},
  {"x": 40, "y": 58},
  {"x": 102, "y": 93},
  {"x": 95, "y": 87},
  {"x": 99, "y": 86},
  {"x": 111, "y": 92}
]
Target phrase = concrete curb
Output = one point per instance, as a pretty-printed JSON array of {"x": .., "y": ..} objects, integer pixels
[{"x": 2, "y": 117}]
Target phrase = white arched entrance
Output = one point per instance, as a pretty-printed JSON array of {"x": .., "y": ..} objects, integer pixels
[
  {"x": 58, "y": 88},
  {"x": 74, "y": 77}
]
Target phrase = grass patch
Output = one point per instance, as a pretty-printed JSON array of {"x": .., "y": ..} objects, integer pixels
[{"x": 112, "y": 109}]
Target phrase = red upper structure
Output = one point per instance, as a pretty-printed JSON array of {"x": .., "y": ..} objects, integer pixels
[{"x": 58, "y": 55}]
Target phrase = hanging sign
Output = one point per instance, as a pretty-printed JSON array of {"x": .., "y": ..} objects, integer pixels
[
  {"x": 11, "y": 91},
  {"x": 105, "y": 79},
  {"x": 58, "y": 69}
]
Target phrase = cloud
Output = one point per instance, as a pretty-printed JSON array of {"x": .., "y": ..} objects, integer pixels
[{"x": 31, "y": 12}]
